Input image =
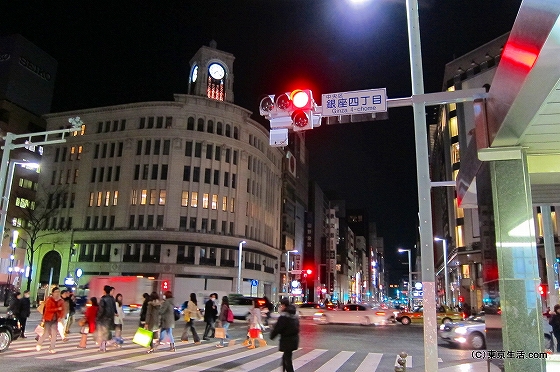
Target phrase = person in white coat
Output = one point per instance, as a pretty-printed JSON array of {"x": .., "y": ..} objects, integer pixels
[{"x": 119, "y": 319}]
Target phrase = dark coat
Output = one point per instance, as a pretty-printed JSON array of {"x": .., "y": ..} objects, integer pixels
[
  {"x": 555, "y": 322},
  {"x": 25, "y": 307},
  {"x": 107, "y": 311},
  {"x": 15, "y": 307},
  {"x": 287, "y": 327},
  {"x": 210, "y": 311}
]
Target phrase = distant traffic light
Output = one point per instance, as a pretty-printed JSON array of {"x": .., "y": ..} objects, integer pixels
[
  {"x": 461, "y": 299},
  {"x": 543, "y": 289},
  {"x": 165, "y": 285}
]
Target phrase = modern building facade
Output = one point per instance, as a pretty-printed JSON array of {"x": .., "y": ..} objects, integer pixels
[{"x": 168, "y": 190}]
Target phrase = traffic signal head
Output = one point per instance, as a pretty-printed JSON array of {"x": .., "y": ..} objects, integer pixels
[
  {"x": 165, "y": 285},
  {"x": 543, "y": 289},
  {"x": 309, "y": 271}
]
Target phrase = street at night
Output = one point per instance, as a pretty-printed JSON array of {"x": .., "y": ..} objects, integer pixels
[{"x": 332, "y": 347}]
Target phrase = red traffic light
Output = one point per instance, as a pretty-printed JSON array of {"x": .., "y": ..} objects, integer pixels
[
  {"x": 309, "y": 271},
  {"x": 461, "y": 299},
  {"x": 165, "y": 285},
  {"x": 543, "y": 289},
  {"x": 301, "y": 99}
]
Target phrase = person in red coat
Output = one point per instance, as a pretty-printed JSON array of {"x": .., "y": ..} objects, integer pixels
[
  {"x": 90, "y": 316},
  {"x": 52, "y": 314}
]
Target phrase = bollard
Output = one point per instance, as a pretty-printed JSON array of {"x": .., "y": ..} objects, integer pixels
[{"x": 401, "y": 361}]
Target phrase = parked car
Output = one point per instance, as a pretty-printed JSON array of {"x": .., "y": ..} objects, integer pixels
[
  {"x": 240, "y": 305},
  {"x": 444, "y": 315},
  {"x": 10, "y": 330},
  {"x": 309, "y": 309},
  {"x": 356, "y": 314}
]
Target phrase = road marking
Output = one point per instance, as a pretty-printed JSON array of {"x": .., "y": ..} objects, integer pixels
[
  {"x": 225, "y": 359},
  {"x": 304, "y": 359},
  {"x": 249, "y": 366},
  {"x": 370, "y": 363},
  {"x": 336, "y": 362}
]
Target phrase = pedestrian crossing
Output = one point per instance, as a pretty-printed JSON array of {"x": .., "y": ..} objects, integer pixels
[{"x": 189, "y": 357}]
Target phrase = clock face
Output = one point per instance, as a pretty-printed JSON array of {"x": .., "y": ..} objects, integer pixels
[
  {"x": 216, "y": 71},
  {"x": 194, "y": 73}
]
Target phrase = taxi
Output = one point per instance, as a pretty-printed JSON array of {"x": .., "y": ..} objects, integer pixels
[{"x": 444, "y": 315}]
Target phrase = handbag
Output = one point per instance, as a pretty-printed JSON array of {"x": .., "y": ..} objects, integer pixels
[
  {"x": 84, "y": 330},
  {"x": 143, "y": 337},
  {"x": 220, "y": 333},
  {"x": 82, "y": 322},
  {"x": 40, "y": 329},
  {"x": 187, "y": 316},
  {"x": 254, "y": 333}
]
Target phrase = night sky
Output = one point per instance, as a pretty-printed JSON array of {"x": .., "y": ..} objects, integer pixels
[{"x": 135, "y": 51}]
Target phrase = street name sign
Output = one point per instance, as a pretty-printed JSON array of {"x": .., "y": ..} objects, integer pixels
[{"x": 355, "y": 102}]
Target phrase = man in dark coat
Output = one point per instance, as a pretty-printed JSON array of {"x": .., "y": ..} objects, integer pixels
[
  {"x": 105, "y": 317},
  {"x": 287, "y": 327},
  {"x": 25, "y": 312},
  {"x": 144, "y": 309},
  {"x": 210, "y": 315}
]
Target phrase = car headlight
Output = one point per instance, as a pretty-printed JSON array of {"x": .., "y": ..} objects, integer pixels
[
  {"x": 460, "y": 330},
  {"x": 442, "y": 327}
]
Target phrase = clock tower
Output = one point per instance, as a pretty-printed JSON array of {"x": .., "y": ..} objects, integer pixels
[{"x": 211, "y": 74}]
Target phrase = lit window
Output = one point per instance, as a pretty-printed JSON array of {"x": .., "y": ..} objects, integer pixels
[
  {"x": 162, "y": 195},
  {"x": 134, "y": 197},
  {"x": 153, "y": 196},
  {"x": 214, "y": 201},
  {"x": 107, "y": 198},
  {"x": 144, "y": 197},
  {"x": 115, "y": 197},
  {"x": 194, "y": 199},
  {"x": 80, "y": 148},
  {"x": 224, "y": 203},
  {"x": 99, "y": 198},
  {"x": 453, "y": 129},
  {"x": 185, "y": 199},
  {"x": 205, "y": 201},
  {"x": 72, "y": 152},
  {"x": 91, "y": 199},
  {"x": 232, "y": 205}
]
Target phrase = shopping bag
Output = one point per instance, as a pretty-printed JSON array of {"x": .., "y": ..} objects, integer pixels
[
  {"x": 39, "y": 330},
  {"x": 220, "y": 333},
  {"x": 143, "y": 337},
  {"x": 254, "y": 332}
]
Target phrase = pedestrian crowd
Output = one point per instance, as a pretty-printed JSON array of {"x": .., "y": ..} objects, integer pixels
[{"x": 103, "y": 320}]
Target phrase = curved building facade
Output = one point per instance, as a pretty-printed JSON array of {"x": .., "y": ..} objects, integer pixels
[{"x": 167, "y": 190}]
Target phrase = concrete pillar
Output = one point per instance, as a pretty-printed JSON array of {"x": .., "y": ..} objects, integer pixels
[{"x": 522, "y": 328}]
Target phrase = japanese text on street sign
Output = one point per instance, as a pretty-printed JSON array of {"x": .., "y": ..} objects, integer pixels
[{"x": 356, "y": 102}]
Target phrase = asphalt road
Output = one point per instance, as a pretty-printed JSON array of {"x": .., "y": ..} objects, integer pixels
[{"x": 348, "y": 345}]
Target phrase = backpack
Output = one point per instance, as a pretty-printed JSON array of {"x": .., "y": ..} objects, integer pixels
[{"x": 229, "y": 316}]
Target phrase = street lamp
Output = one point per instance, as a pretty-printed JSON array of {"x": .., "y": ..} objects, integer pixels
[
  {"x": 401, "y": 250},
  {"x": 289, "y": 269},
  {"x": 445, "y": 274},
  {"x": 239, "y": 264}
]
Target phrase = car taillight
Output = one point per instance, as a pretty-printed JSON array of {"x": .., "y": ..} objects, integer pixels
[{"x": 379, "y": 313}]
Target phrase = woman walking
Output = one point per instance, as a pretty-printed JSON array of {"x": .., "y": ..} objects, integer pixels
[
  {"x": 167, "y": 313},
  {"x": 191, "y": 312},
  {"x": 153, "y": 318},
  {"x": 224, "y": 319},
  {"x": 52, "y": 314},
  {"x": 90, "y": 316},
  {"x": 119, "y": 317}
]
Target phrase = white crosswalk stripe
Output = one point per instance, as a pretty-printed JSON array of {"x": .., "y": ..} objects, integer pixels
[{"x": 190, "y": 357}]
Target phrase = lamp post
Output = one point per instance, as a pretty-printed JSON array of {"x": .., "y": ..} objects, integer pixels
[
  {"x": 289, "y": 269},
  {"x": 445, "y": 274},
  {"x": 401, "y": 250},
  {"x": 239, "y": 258}
]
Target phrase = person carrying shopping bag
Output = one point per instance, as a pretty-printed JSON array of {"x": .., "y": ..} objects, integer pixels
[
  {"x": 225, "y": 318},
  {"x": 191, "y": 312},
  {"x": 255, "y": 327},
  {"x": 52, "y": 315}
]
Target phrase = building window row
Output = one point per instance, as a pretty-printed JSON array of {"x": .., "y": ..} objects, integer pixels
[
  {"x": 154, "y": 197},
  {"x": 151, "y": 122},
  {"x": 158, "y": 147},
  {"x": 103, "y": 198},
  {"x": 99, "y": 174},
  {"x": 256, "y": 142},
  {"x": 108, "y": 150},
  {"x": 27, "y": 184},
  {"x": 25, "y": 203},
  {"x": 64, "y": 176},
  {"x": 61, "y": 200},
  {"x": 145, "y": 222},
  {"x": 111, "y": 126},
  {"x": 220, "y": 129},
  {"x": 61, "y": 153},
  {"x": 97, "y": 223},
  {"x": 156, "y": 171},
  {"x": 59, "y": 223},
  {"x": 212, "y": 152},
  {"x": 209, "y": 176}
]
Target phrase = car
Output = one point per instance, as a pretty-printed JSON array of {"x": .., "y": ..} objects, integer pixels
[
  {"x": 471, "y": 332},
  {"x": 308, "y": 309},
  {"x": 10, "y": 330},
  {"x": 444, "y": 315},
  {"x": 240, "y": 305},
  {"x": 355, "y": 314}
]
